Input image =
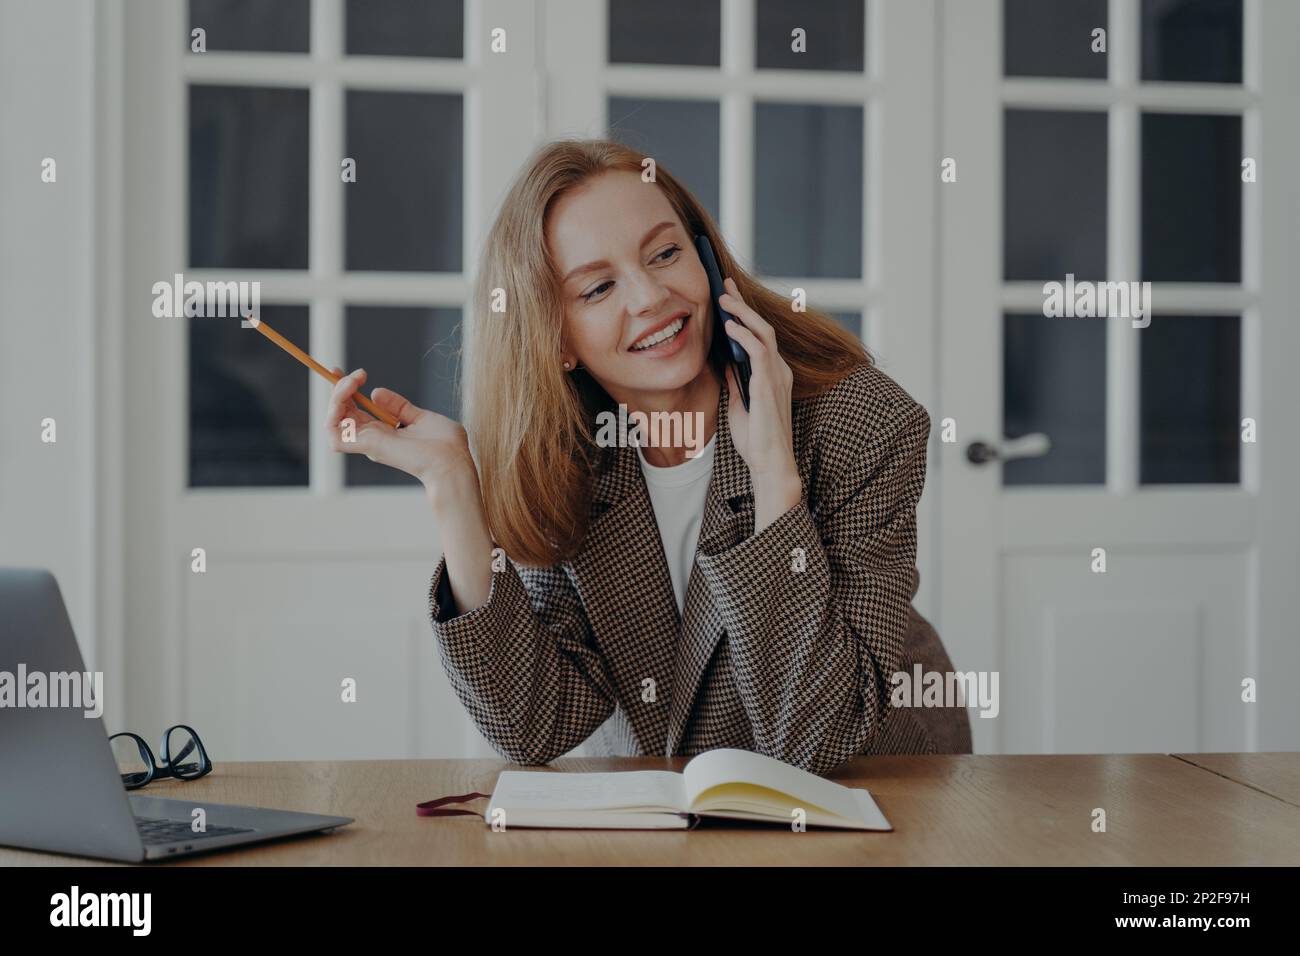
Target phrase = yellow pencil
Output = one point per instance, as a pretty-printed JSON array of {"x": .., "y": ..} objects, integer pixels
[{"x": 316, "y": 366}]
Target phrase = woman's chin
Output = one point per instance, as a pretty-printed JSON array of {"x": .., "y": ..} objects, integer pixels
[
  {"x": 667, "y": 374},
  {"x": 645, "y": 374}
]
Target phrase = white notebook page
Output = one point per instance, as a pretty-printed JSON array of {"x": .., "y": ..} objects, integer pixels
[
  {"x": 728, "y": 766},
  {"x": 547, "y": 790}
]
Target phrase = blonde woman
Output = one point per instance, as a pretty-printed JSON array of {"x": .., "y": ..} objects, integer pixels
[{"x": 753, "y": 591}]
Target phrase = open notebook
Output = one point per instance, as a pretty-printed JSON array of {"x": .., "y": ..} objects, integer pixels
[{"x": 735, "y": 784}]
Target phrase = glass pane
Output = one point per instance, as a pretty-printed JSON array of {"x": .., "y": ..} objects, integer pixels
[
  {"x": 1054, "y": 196},
  {"x": 248, "y": 189},
  {"x": 406, "y": 27},
  {"x": 1191, "y": 40},
  {"x": 415, "y": 352},
  {"x": 681, "y": 135},
  {"x": 1052, "y": 39},
  {"x": 808, "y": 174},
  {"x": 1191, "y": 399},
  {"x": 675, "y": 32},
  {"x": 1054, "y": 381},
  {"x": 248, "y": 402},
  {"x": 833, "y": 34},
  {"x": 404, "y": 210},
  {"x": 850, "y": 320},
  {"x": 1191, "y": 198},
  {"x": 280, "y": 27}
]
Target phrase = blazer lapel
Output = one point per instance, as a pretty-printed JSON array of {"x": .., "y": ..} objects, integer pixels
[
  {"x": 622, "y": 578},
  {"x": 728, "y": 520}
]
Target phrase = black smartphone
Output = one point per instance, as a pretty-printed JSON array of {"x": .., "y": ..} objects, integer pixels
[{"x": 732, "y": 350}]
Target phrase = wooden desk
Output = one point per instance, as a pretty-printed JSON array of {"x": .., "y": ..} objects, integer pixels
[
  {"x": 1161, "y": 810},
  {"x": 1277, "y": 774}
]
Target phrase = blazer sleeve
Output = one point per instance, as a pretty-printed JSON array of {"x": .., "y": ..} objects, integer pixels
[
  {"x": 816, "y": 610},
  {"x": 525, "y": 663}
]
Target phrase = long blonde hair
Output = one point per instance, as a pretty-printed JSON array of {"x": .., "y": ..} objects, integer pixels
[{"x": 531, "y": 423}]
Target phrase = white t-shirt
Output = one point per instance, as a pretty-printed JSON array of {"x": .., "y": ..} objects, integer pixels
[{"x": 678, "y": 494}]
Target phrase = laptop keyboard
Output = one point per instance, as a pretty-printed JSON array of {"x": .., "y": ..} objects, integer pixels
[{"x": 155, "y": 831}]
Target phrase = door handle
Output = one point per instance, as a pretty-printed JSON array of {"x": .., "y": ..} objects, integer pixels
[{"x": 1033, "y": 445}]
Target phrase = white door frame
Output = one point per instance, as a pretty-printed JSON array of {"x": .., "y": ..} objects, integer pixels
[{"x": 1276, "y": 568}]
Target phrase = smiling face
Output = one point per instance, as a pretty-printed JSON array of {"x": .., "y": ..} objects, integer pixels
[{"x": 636, "y": 298}]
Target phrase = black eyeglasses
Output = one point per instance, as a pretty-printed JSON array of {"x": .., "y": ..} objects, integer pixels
[{"x": 178, "y": 743}]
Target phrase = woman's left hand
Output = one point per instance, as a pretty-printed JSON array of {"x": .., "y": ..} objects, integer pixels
[{"x": 763, "y": 435}]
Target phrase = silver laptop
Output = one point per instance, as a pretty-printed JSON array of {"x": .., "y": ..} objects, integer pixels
[{"x": 61, "y": 789}]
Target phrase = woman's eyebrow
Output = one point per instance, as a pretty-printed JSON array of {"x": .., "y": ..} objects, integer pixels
[{"x": 602, "y": 263}]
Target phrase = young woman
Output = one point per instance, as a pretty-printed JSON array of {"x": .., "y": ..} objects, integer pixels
[{"x": 755, "y": 594}]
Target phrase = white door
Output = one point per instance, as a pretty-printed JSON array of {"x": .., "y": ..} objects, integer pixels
[
  {"x": 317, "y": 566},
  {"x": 1121, "y": 165}
]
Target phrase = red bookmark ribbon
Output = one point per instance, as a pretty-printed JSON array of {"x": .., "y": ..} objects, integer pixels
[{"x": 438, "y": 808}]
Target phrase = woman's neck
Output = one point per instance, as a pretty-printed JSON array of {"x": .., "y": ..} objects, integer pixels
[{"x": 695, "y": 405}]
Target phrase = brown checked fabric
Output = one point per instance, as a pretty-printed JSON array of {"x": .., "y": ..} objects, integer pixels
[{"x": 794, "y": 664}]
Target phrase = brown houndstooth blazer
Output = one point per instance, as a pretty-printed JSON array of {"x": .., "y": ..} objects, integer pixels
[{"x": 792, "y": 664}]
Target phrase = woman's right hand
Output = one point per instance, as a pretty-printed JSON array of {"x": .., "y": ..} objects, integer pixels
[
  {"x": 434, "y": 449},
  {"x": 428, "y": 446}
]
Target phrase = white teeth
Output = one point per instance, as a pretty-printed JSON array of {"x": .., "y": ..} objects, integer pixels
[{"x": 667, "y": 332}]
